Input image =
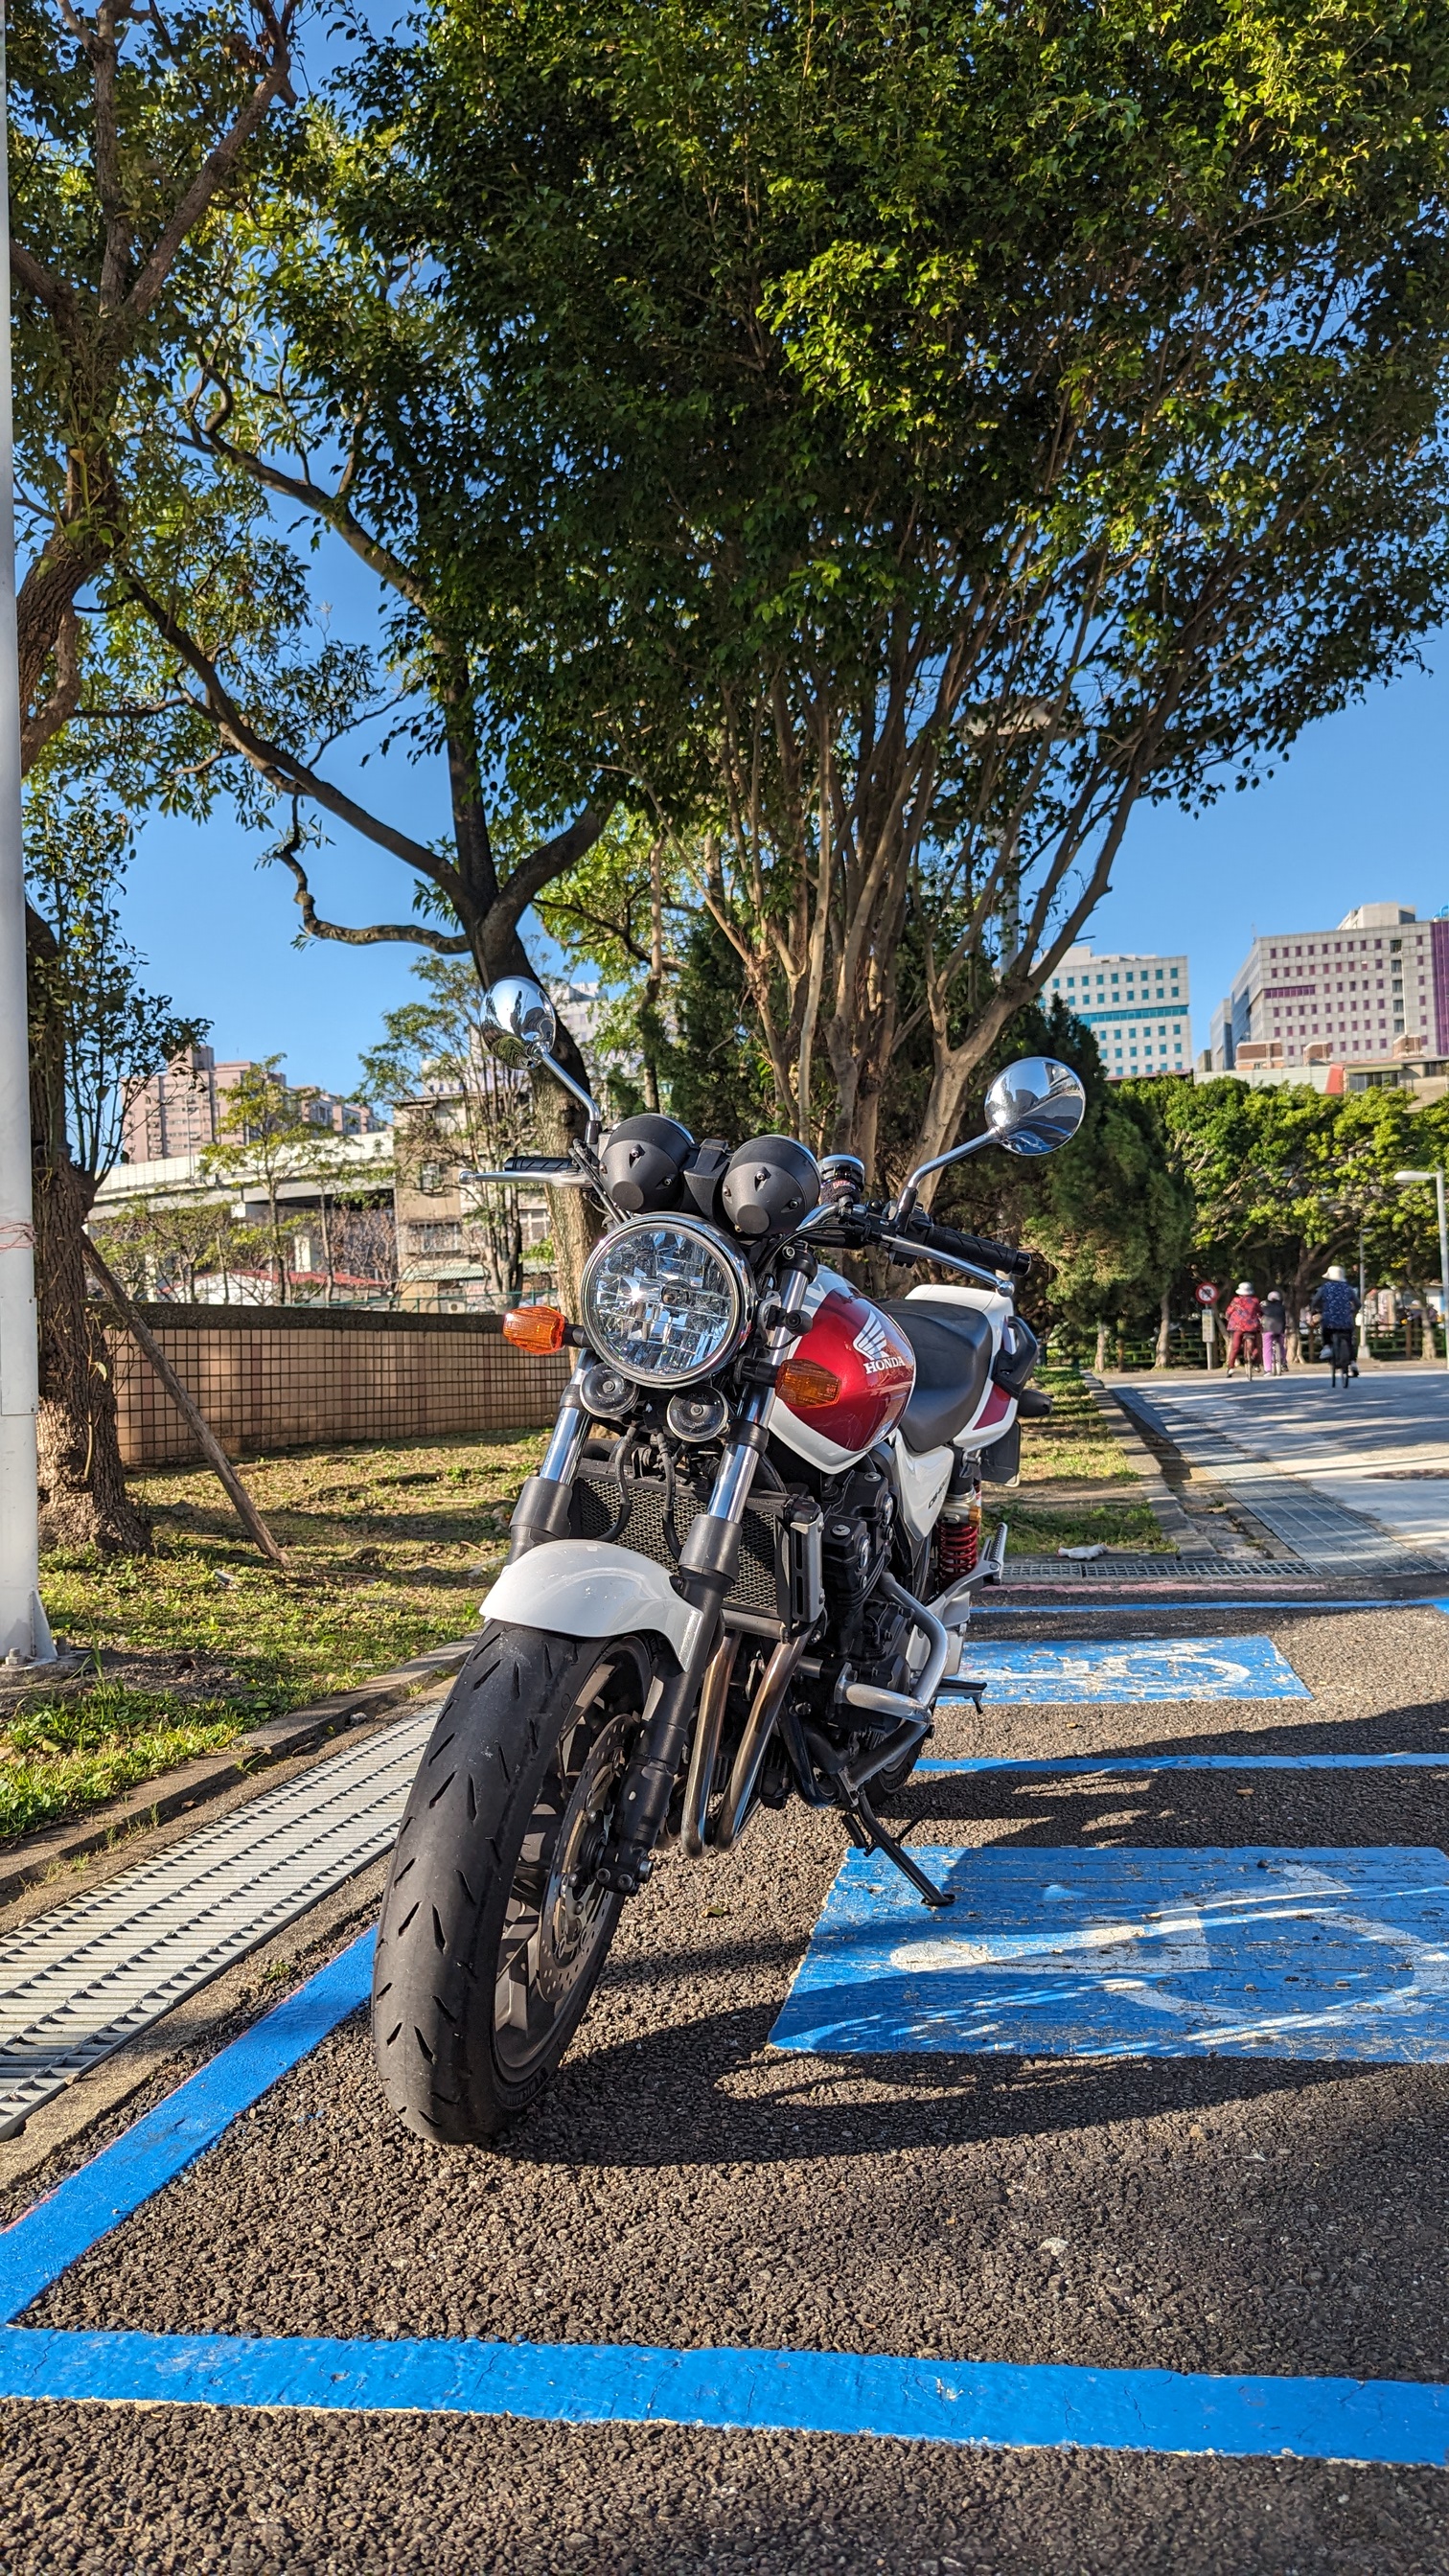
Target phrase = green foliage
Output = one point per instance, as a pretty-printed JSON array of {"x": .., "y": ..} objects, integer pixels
[
  {"x": 157, "y": 1245},
  {"x": 1287, "y": 1178},
  {"x": 928, "y": 433},
  {"x": 84, "y": 974},
  {"x": 719, "y": 1076}
]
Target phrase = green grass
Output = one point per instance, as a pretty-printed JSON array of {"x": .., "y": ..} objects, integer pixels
[
  {"x": 389, "y": 1549},
  {"x": 1039, "y": 1530},
  {"x": 1075, "y": 1447}
]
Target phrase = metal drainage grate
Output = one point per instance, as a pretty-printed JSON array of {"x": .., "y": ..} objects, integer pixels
[{"x": 80, "y": 1981}]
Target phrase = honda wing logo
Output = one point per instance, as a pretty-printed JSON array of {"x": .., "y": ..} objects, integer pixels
[{"x": 876, "y": 1348}]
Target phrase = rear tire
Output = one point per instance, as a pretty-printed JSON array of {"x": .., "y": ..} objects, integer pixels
[{"x": 493, "y": 1933}]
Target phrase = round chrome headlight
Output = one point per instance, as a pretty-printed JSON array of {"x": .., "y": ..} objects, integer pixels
[{"x": 665, "y": 1300}]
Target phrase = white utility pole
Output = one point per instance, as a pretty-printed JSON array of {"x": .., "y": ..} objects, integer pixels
[
  {"x": 1437, "y": 1177},
  {"x": 24, "y": 1635}
]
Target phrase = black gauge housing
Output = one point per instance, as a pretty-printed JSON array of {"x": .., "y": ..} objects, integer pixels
[
  {"x": 644, "y": 1163},
  {"x": 771, "y": 1183}
]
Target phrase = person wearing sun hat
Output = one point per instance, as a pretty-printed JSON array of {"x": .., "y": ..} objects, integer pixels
[{"x": 1244, "y": 1320}]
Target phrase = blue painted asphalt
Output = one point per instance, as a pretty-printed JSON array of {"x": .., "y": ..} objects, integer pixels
[
  {"x": 1204, "y": 1600},
  {"x": 991, "y": 2404},
  {"x": 1127, "y": 1670},
  {"x": 87, "y": 2205},
  {"x": 1338, "y": 1955},
  {"x": 1082, "y": 1765}
]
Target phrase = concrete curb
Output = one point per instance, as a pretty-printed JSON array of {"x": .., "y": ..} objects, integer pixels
[
  {"x": 1166, "y": 1510},
  {"x": 213, "y": 1774}
]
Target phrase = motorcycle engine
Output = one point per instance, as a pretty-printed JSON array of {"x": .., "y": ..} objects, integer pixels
[{"x": 866, "y": 1626}]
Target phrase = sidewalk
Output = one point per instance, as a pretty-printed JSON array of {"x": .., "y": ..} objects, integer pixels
[{"x": 1353, "y": 1480}]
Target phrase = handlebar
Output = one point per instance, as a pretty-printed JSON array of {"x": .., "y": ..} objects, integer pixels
[
  {"x": 971, "y": 1247},
  {"x": 856, "y": 1228}
]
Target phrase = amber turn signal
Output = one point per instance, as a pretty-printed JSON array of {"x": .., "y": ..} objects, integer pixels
[
  {"x": 804, "y": 1383},
  {"x": 535, "y": 1328}
]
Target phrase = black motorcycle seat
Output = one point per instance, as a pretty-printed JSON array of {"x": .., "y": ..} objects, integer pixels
[{"x": 952, "y": 1345}]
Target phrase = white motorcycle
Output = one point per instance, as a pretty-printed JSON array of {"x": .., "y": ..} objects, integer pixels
[{"x": 740, "y": 1575}]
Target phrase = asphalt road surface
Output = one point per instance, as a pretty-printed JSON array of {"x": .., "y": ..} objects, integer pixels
[{"x": 685, "y": 2184}]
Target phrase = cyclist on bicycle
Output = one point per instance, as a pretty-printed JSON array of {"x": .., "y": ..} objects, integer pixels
[
  {"x": 1336, "y": 1306},
  {"x": 1244, "y": 1320}
]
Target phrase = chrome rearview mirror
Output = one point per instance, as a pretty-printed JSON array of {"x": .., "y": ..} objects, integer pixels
[
  {"x": 518, "y": 1021},
  {"x": 520, "y": 1027},
  {"x": 1035, "y": 1106}
]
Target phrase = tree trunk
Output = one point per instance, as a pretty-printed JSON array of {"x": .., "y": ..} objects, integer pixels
[
  {"x": 558, "y": 1122},
  {"x": 1162, "y": 1357},
  {"x": 1100, "y": 1362},
  {"x": 82, "y": 1483}
]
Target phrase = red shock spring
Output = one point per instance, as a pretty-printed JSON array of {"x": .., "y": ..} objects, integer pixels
[{"x": 958, "y": 1538}]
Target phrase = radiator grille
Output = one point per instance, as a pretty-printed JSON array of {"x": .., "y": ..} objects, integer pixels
[{"x": 762, "y": 1584}]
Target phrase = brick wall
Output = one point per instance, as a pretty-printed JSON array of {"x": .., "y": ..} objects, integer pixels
[{"x": 270, "y": 1378}]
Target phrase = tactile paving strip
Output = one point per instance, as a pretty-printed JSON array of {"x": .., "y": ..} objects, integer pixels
[{"x": 81, "y": 1980}]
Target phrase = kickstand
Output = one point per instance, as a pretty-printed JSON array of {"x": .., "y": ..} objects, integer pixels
[{"x": 868, "y": 1834}]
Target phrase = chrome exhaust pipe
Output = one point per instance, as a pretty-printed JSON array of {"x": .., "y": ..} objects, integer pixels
[
  {"x": 704, "y": 1752},
  {"x": 778, "y": 1674}
]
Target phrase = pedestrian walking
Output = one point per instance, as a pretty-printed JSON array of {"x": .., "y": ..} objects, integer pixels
[
  {"x": 1244, "y": 1320},
  {"x": 1275, "y": 1334},
  {"x": 1337, "y": 1305}
]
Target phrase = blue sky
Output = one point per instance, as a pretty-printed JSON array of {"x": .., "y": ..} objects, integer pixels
[{"x": 1359, "y": 814}]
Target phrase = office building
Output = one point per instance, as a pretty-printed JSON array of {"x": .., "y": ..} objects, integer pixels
[
  {"x": 1373, "y": 990},
  {"x": 1136, "y": 1007}
]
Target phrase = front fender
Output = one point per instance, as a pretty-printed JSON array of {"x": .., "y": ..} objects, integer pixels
[{"x": 588, "y": 1587}]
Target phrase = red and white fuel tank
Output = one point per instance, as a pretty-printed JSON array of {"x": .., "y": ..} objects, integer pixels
[{"x": 847, "y": 1380}]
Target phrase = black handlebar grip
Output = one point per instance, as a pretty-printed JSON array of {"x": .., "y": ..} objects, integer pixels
[{"x": 981, "y": 1248}]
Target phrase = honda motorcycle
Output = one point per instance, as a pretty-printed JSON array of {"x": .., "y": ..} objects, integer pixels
[{"x": 740, "y": 1575}]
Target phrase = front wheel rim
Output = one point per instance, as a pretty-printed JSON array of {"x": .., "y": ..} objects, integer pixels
[{"x": 558, "y": 1918}]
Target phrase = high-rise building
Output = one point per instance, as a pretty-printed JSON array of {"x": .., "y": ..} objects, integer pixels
[
  {"x": 179, "y": 1109},
  {"x": 1375, "y": 988},
  {"x": 1136, "y": 1006}
]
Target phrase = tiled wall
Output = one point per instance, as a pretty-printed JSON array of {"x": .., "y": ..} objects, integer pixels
[{"x": 272, "y": 1378}]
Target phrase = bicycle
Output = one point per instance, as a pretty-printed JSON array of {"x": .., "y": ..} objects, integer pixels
[{"x": 1340, "y": 1342}]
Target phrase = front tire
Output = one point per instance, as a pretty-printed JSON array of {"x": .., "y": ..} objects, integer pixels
[{"x": 493, "y": 1931}]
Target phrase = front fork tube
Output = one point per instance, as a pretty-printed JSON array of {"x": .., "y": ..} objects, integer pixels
[
  {"x": 707, "y": 1565},
  {"x": 542, "y": 1509}
]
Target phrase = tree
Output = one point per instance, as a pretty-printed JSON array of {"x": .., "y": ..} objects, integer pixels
[
  {"x": 159, "y": 1246},
  {"x": 332, "y": 381},
  {"x": 169, "y": 643},
  {"x": 1110, "y": 1218},
  {"x": 456, "y": 1107},
  {"x": 95, "y": 1035},
  {"x": 1287, "y": 1179},
  {"x": 935, "y": 434},
  {"x": 263, "y": 1134},
  {"x": 129, "y": 133}
]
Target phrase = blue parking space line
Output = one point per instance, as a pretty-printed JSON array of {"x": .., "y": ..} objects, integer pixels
[
  {"x": 88, "y": 2204},
  {"x": 1131, "y": 1670},
  {"x": 1309, "y": 1954},
  {"x": 1083, "y": 1765},
  {"x": 997, "y": 2405},
  {"x": 1207, "y": 1601}
]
